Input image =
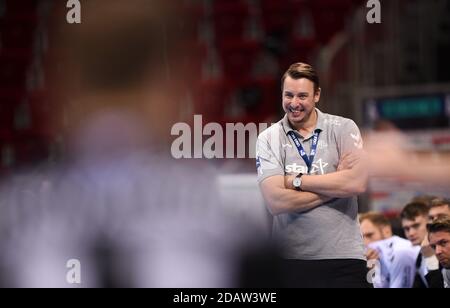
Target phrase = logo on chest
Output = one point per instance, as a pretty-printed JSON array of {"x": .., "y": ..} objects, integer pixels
[{"x": 318, "y": 167}]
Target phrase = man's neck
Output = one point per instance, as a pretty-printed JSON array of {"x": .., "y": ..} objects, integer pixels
[{"x": 308, "y": 125}]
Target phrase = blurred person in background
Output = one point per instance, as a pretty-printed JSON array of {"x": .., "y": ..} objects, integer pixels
[
  {"x": 390, "y": 155},
  {"x": 397, "y": 256},
  {"x": 121, "y": 205},
  {"x": 439, "y": 237}
]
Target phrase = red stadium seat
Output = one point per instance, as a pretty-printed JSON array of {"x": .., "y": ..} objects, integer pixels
[
  {"x": 278, "y": 16},
  {"x": 300, "y": 50},
  {"x": 17, "y": 32},
  {"x": 7, "y": 113},
  {"x": 238, "y": 57},
  {"x": 22, "y": 7},
  {"x": 9, "y": 100},
  {"x": 42, "y": 113},
  {"x": 14, "y": 64},
  {"x": 211, "y": 99},
  {"x": 330, "y": 17},
  {"x": 229, "y": 18}
]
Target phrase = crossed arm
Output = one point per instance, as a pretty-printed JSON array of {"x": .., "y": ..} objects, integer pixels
[
  {"x": 281, "y": 199},
  {"x": 350, "y": 180}
]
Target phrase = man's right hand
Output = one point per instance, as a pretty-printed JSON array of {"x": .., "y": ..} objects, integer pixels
[{"x": 426, "y": 249}]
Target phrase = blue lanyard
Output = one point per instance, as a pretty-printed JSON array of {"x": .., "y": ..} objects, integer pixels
[{"x": 308, "y": 159}]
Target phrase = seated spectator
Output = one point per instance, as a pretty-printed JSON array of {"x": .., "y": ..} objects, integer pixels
[
  {"x": 439, "y": 237},
  {"x": 414, "y": 218},
  {"x": 396, "y": 256}
]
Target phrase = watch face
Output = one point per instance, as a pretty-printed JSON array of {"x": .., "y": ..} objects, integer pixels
[{"x": 297, "y": 182}]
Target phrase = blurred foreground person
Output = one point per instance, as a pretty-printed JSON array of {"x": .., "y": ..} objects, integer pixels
[{"x": 121, "y": 207}]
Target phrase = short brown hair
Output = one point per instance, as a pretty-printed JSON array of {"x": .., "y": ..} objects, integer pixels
[
  {"x": 302, "y": 70},
  {"x": 439, "y": 202},
  {"x": 439, "y": 225},
  {"x": 427, "y": 199},
  {"x": 413, "y": 210},
  {"x": 377, "y": 219}
]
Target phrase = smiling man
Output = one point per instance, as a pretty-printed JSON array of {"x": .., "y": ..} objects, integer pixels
[{"x": 310, "y": 170}]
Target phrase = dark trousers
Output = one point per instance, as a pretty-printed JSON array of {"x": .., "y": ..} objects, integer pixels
[{"x": 335, "y": 273}]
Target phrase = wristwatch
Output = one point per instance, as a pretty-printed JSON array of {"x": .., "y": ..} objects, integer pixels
[{"x": 297, "y": 182}]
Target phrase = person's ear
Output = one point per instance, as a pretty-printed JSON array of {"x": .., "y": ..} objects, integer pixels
[
  {"x": 317, "y": 95},
  {"x": 386, "y": 231}
]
